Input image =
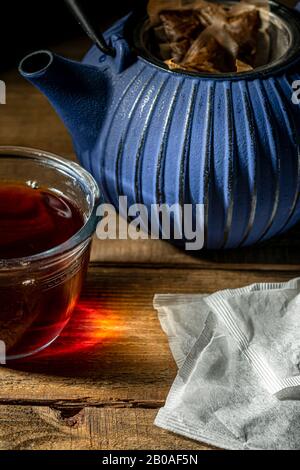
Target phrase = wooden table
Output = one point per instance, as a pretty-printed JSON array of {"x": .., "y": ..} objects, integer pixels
[{"x": 101, "y": 384}]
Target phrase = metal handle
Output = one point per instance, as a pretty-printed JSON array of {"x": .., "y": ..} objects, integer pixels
[{"x": 90, "y": 26}]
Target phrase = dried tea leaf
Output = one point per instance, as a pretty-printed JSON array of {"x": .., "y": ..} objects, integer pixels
[
  {"x": 242, "y": 66},
  {"x": 212, "y": 13},
  {"x": 180, "y": 25},
  {"x": 165, "y": 51},
  {"x": 155, "y": 7},
  {"x": 261, "y": 4},
  {"x": 207, "y": 67},
  {"x": 179, "y": 49},
  {"x": 243, "y": 25},
  {"x": 180, "y": 28},
  {"x": 207, "y": 54},
  {"x": 173, "y": 65},
  {"x": 223, "y": 37},
  {"x": 160, "y": 35},
  {"x": 176, "y": 50},
  {"x": 198, "y": 35}
]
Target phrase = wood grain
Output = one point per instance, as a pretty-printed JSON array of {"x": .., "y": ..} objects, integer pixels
[
  {"x": 44, "y": 428},
  {"x": 114, "y": 351},
  {"x": 100, "y": 385},
  {"x": 282, "y": 253}
]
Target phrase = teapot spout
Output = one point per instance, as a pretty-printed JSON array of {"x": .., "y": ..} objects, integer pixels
[{"x": 78, "y": 92}]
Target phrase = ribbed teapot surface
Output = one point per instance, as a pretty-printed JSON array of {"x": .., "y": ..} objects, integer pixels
[{"x": 230, "y": 142}]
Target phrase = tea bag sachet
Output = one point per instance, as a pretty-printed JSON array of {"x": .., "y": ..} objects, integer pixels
[
  {"x": 263, "y": 320},
  {"x": 156, "y": 7},
  {"x": 203, "y": 36},
  {"x": 222, "y": 395},
  {"x": 181, "y": 321}
]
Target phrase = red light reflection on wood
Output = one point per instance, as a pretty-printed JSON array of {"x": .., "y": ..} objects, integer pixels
[{"x": 91, "y": 325}]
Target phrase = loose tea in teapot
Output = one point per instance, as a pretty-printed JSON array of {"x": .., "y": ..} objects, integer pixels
[{"x": 201, "y": 36}]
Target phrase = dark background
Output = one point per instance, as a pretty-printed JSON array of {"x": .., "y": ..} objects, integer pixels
[{"x": 29, "y": 24}]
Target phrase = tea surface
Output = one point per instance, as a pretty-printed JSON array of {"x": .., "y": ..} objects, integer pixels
[{"x": 34, "y": 220}]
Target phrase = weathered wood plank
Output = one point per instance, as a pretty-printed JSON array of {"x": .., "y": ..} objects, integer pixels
[
  {"x": 44, "y": 428},
  {"x": 113, "y": 350},
  {"x": 100, "y": 385},
  {"x": 282, "y": 253}
]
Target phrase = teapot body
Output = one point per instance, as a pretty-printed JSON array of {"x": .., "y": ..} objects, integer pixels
[
  {"x": 231, "y": 145},
  {"x": 160, "y": 137}
]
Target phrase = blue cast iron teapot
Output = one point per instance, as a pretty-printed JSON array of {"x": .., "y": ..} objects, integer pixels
[{"x": 228, "y": 141}]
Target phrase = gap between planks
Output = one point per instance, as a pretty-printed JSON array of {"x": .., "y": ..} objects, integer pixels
[
  {"x": 80, "y": 404},
  {"x": 196, "y": 267}
]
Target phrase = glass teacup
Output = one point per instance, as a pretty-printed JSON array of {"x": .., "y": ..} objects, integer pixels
[{"x": 38, "y": 293}]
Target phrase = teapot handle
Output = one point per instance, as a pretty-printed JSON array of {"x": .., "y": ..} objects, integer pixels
[{"x": 90, "y": 26}]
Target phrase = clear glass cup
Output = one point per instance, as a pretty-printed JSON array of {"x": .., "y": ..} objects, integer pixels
[{"x": 38, "y": 293}]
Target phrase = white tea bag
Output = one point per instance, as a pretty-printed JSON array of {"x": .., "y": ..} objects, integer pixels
[
  {"x": 218, "y": 397},
  {"x": 264, "y": 320},
  {"x": 180, "y": 320}
]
